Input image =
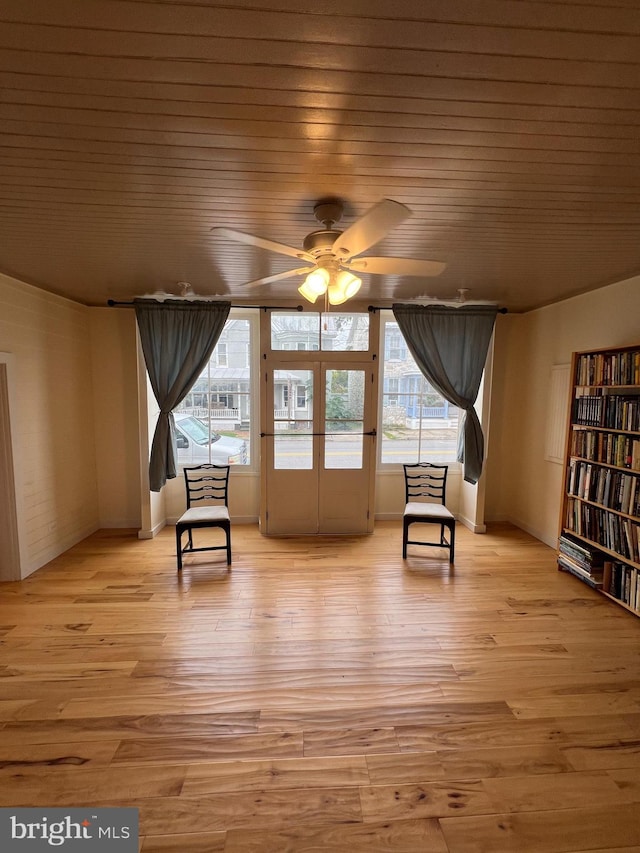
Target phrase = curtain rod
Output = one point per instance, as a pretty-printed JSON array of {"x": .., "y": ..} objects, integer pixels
[{"x": 112, "y": 303}]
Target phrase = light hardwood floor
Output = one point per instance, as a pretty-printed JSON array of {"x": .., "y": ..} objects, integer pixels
[{"x": 324, "y": 695}]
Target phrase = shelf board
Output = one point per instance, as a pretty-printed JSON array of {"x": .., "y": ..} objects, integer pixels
[
  {"x": 633, "y": 432},
  {"x": 614, "y": 388},
  {"x": 618, "y": 557},
  {"x": 605, "y": 464},
  {"x": 619, "y": 601},
  {"x": 605, "y": 508}
]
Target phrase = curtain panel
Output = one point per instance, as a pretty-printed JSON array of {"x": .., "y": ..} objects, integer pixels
[
  {"x": 177, "y": 339},
  {"x": 450, "y": 347}
]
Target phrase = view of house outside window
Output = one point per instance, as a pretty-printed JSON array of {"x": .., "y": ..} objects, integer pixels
[
  {"x": 417, "y": 423},
  {"x": 213, "y": 421},
  {"x": 332, "y": 332}
]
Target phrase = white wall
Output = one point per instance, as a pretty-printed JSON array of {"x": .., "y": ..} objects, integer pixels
[
  {"x": 50, "y": 340},
  {"x": 117, "y": 429},
  {"x": 523, "y": 487}
]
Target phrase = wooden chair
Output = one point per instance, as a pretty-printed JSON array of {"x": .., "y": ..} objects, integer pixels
[
  {"x": 425, "y": 495},
  {"x": 207, "y": 486}
]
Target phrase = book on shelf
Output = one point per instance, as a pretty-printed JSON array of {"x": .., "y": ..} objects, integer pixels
[
  {"x": 623, "y": 583},
  {"x": 609, "y": 368},
  {"x": 568, "y": 565},
  {"x": 573, "y": 553}
]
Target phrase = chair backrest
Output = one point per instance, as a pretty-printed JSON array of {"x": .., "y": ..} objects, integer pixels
[
  {"x": 208, "y": 484},
  {"x": 425, "y": 481}
]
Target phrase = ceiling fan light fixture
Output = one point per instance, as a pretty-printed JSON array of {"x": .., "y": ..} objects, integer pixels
[
  {"x": 343, "y": 287},
  {"x": 315, "y": 284},
  {"x": 349, "y": 283}
]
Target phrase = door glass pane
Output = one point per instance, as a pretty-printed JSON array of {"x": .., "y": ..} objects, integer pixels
[
  {"x": 345, "y": 332},
  {"x": 344, "y": 413},
  {"x": 293, "y": 419},
  {"x": 292, "y": 330},
  {"x": 332, "y": 332}
]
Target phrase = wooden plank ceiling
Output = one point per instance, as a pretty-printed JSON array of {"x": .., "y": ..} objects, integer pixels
[{"x": 130, "y": 129}]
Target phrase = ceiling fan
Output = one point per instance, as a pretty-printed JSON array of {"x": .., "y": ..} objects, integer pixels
[{"x": 330, "y": 256}]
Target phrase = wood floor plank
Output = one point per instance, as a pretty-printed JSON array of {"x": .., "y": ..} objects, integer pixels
[
  {"x": 125, "y": 726},
  {"x": 167, "y": 750},
  {"x": 628, "y": 780},
  {"x": 259, "y": 811},
  {"x": 358, "y": 741},
  {"x": 623, "y": 753},
  {"x": 549, "y": 831},
  {"x": 20, "y": 758},
  {"x": 277, "y": 773},
  {"x": 469, "y": 763},
  {"x": 400, "y": 836},
  {"x": 325, "y": 695},
  {"x": 424, "y": 800},
  {"x": 573, "y": 790},
  {"x": 193, "y": 842},
  {"x": 65, "y": 787}
]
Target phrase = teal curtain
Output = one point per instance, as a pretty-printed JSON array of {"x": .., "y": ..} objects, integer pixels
[
  {"x": 450, "y": 347},
  {"x": 177, "y": 341}
]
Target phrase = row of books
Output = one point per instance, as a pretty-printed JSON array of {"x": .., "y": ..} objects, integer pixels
[
  {"x": 604, "y": 486},
  {"x": 614, "y": 532},
  {"x": 611, "y": 412},
  {"x": 615, "y": 368},
  {"x": 622, "y": 582},
  {"x": 581, "y": 559},
  {"x": 609, "y": 448}
]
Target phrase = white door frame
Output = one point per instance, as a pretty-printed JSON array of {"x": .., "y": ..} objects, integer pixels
[{"x": 316, "y": 360}]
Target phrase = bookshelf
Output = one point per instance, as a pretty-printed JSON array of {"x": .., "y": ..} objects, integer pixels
[{"x": 599, "y": 539}]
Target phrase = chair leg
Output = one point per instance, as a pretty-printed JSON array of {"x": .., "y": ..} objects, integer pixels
[
  {"x": 405, "y": 536},
  {"x": 228, "y": 532},
  {"x": 452, "y": 542},
  {"x": 179, "y": 546}
]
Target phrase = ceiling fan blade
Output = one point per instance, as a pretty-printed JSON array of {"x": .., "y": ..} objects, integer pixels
[
  {"x": 279, "y": 276},
  {"x": 370, "y": 228},
  {"x": 271, "y": 245},
  {"x": 396, "y": 266}
]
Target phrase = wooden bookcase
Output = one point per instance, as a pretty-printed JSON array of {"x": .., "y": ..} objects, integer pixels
[{"x": 599, "y": 539}]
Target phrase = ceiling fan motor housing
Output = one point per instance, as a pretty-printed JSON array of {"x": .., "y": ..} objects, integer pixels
[{"x": 320, "y": 242}]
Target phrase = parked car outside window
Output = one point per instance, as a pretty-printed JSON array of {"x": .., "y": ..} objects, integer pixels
[{"x": 195, "y": 444}]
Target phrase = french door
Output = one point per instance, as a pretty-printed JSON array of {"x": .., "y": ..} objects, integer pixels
[{"x": 318, "y": 445}]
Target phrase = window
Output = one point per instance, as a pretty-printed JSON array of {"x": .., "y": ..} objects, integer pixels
[
  {"x": 416, "y": 423},
  {"x": 395, "y": 348},
  {"x": 214, "y": 421},
  {"x": 330, "y": 332},
  {"x": 221, "y": 352}
]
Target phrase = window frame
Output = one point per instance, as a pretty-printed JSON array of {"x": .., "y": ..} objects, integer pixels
[
  {"x": 252, "y": 363},
  {"x": 386, "y": 317}
]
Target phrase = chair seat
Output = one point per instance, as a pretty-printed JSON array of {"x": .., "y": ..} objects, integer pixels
[
  {"x": 199, "y": 514},
  {"x": 422, "y": 508}
]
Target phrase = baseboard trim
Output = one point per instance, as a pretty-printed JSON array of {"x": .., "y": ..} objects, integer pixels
[
  {"x": 537, "y": 534},
  {"x": 471, "y": 525},
  {"x": 152, "y": 532}
]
